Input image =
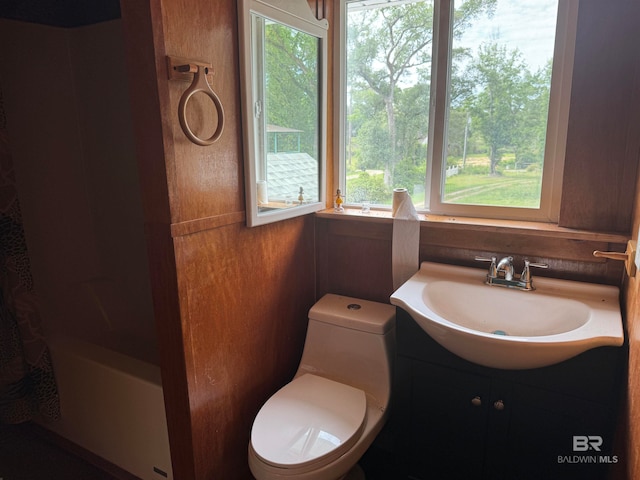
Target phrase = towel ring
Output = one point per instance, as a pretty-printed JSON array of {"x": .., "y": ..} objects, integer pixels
[{"x": 199, "y": 84}]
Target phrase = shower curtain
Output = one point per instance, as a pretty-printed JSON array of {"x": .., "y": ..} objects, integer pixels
[{"x": 27, "y": 384}]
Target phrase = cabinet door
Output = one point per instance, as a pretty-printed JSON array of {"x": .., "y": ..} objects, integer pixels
[
  {"x": 500, "y": 409},
  {"x": 446, "y": 439},
  {"x": 540, "y": 441}
]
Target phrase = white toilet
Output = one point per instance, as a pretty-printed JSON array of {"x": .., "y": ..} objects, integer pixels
[{"x": 319, "y": 425}]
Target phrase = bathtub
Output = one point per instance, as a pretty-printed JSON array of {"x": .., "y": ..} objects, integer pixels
[{"x": 112, "y": 405}]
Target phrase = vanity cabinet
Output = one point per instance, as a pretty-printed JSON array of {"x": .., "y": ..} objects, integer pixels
[{"x": 460, "y": 420}]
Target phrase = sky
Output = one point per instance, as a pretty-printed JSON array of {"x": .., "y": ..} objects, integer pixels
[{"x": 528, "y": 24}]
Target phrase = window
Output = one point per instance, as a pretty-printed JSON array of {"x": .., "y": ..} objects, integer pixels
[
  {"x": 283, "y": 60},
  {"x": 462, "y": 102}
]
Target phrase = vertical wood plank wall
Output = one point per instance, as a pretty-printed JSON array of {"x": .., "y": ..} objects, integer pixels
[
  {"x": 354, "y": 257},
  {"x": 630, "y": 418},
  {"x": 230, "y": 302},
  {"x": 629, "y": 427},
  {"x": 600, "y": 170}
]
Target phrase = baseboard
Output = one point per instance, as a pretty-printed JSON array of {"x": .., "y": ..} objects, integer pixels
[{"x": 75, "y": 449}]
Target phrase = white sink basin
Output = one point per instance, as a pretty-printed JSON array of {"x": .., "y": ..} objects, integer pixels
[{"x": 507, "y": 328}]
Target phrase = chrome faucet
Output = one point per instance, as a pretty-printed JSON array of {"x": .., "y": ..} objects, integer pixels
[
  {"x": 501, "y": 273},
  {"x": 505, "y": 266}
]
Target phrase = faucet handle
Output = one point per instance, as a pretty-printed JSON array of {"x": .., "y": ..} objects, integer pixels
[
  {"x": 527, "y": 263},
  {"x": 493, "y": 272},
  {"x": 526, "y": 272}
]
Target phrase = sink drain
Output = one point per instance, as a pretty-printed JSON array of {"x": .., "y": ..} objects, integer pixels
[{"x": 500, "y": 332}]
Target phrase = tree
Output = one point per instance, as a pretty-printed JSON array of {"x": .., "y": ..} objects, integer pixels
[
  {"x": 497, "y": 108},
  {"x": 291, "y": 73},
  {"x": 530, "y": 138},
  {"x": 367, "y": 121},
  {"x": 386, "y": 46}
]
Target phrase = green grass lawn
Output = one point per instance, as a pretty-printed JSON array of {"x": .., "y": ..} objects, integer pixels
[{"x": 512, "y": 189}]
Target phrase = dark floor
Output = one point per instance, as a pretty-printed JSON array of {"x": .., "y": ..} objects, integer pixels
[{"x": 25, "y": 454}]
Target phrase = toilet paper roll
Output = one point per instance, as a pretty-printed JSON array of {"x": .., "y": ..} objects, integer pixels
[
  {"x": 263, "y": 196},
  {"x": 399, "y": 195},
  {"x": 406, "y": 238}
]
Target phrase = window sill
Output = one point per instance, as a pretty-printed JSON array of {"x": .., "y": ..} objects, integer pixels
[{"x": 534, "y": 229}]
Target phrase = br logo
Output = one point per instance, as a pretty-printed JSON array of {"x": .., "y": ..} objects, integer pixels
[{"x": 583, "y": 443}]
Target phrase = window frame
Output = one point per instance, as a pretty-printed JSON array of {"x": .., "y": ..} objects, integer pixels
[
  {"x": 557, "y": 121},
  {"x": 297, "y": 15}
]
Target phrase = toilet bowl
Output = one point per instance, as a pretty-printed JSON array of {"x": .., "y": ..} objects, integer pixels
[{"x": 320, "y": 424}]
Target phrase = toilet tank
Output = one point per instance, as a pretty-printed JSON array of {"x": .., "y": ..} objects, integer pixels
[{"x": 352, "y": 341}]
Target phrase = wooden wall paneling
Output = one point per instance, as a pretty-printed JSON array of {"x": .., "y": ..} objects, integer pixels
[
  {"x": 525, "y": 244},
  {"x": 163, "y": 275},
  {"x": 322, "y": 251},
  {"x": 609, "y": 272},
  {"x": 355, "y": 259},
  {"x": 629, "y": 435},
  {"x": 245, "y": 296},
  {"x": 599, "y": 173},
  {"x": 231, "y": 302},
  {"x": 567, "y": 258},
  {"x": 629, "y": 431},
  {"x": 354, "y": 256},
  {"x": 204, "y": 181}
]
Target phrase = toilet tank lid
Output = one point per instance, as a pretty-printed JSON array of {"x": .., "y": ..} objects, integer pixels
[{"x": 355, "y": 313}]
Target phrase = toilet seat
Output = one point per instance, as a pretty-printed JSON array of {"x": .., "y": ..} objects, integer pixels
[{"x": 310, "y": 421}]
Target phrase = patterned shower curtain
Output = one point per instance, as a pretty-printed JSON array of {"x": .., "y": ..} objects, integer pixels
[{"x": 27, "y": 384}]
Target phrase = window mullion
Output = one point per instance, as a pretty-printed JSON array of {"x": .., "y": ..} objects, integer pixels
[{"x": 440, "y": 61}]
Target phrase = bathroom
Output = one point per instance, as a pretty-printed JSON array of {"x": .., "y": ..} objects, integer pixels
[{"x": 228, "y": 322}]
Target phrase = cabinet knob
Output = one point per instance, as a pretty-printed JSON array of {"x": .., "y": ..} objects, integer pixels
[
  {"x": 476, "y": 401},
  {"x": 498, "y": 405}
]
